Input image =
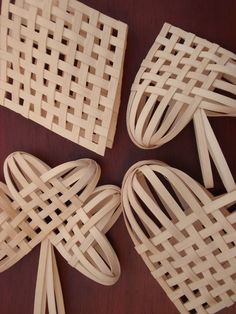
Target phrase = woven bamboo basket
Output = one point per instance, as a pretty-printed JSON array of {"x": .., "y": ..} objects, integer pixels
[
  {"x": 183, "y": 78},
  {"x": 62, "y": 208},
  {"x": 61, "y": 65},
  {"x": 185, "y": 236}
]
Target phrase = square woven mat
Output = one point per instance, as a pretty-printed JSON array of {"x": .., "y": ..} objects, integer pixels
[{"x": 61, "y": 65}]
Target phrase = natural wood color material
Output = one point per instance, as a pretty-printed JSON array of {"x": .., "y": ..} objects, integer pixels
[
  {"x": 185, "y": 235},
  {"x": 183, "y": 77},
  {"x": 61, "y": 65},
  {"x": 60, "y": 207}
]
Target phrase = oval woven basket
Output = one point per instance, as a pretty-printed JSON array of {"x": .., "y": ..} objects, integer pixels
[{"x": 185, "y": 235}]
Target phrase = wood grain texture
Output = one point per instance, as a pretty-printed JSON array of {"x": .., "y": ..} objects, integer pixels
[{"x": 136, "y": 292}]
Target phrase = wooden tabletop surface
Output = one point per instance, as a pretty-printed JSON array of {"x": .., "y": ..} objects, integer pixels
[{"x": 136, "y": 292}]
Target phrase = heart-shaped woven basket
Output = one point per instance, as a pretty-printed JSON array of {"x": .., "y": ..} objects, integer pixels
[
  {"x": 183, "y": 78},
  {"x": 185, "y": 235}
]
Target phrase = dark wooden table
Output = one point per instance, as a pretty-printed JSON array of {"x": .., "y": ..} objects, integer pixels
[{"x": 136, "y": 292}]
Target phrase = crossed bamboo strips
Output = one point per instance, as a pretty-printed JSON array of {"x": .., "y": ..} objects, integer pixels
[
  {"x": 62, "y": 208},
  {"x": 61, "y": 65},
  {"x": 184, "y": 78}
]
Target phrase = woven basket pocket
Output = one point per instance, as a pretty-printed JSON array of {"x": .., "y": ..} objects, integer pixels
[
  {"x": 183, "y": 77},
  {"x": 63, "y": 205},
  {"x": 61, "y": 66},
  {"x": 186, "y": 236}
]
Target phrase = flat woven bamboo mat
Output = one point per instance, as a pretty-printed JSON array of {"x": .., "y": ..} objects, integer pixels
[{"x": 61, "y": 66}]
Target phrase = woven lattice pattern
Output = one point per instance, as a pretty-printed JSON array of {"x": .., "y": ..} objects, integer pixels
[
  {"x": 186, "y": 237},
  {"x": 63, "y": 205},
  {"x": 61, "y": 66},
  {"x": 183, "y": 77},
  {"x": 181, "y": 74}
]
